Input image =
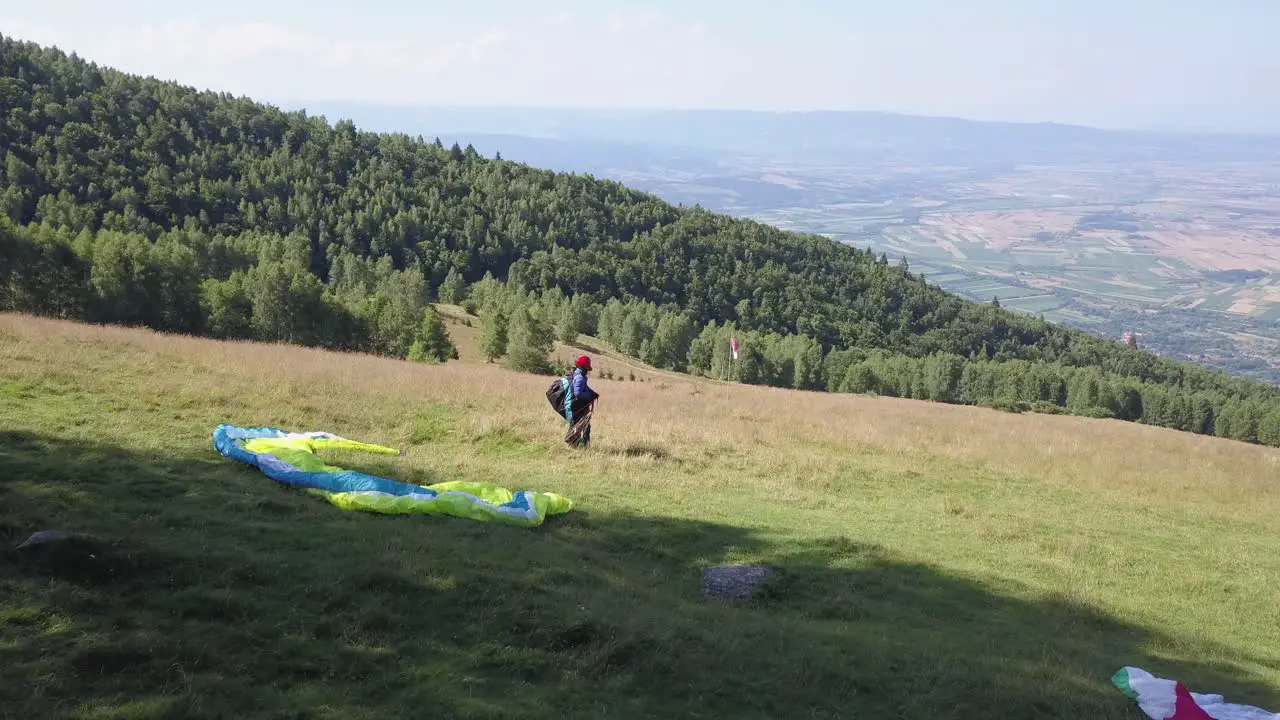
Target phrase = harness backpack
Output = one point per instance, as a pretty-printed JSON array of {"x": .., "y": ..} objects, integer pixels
[{"x": 560, "y": 395}]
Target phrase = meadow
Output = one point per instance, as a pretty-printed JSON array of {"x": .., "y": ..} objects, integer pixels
[{"x": 934, "y": 561}]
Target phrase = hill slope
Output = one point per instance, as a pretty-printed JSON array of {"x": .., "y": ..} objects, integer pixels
[
  {"x": 139, "y": 202},
  {"x": 935, "y": 561}
]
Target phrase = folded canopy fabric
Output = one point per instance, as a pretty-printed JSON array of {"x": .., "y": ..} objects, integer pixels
[
  {"x": 290, "y": 458},
  {"x": 1163, "y": 699}
]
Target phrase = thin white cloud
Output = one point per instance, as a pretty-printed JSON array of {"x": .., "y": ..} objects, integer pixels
[
  {"x": 255, "y": 42},
  {"x": 486, "y": 43},
  {"x": 553, "y": 58},
  {"x": 262, "y": 57},
  {"x": 618, "y": 22},
  {"x": 560, "y": 19}
]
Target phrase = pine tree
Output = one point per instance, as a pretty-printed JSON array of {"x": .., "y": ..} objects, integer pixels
[
  {"x": 567, "y": 325},
  {"x": 610, "y": 325},
  {"x": 486, "y": 290},
  {"x": 669, "y": 347},
  {"x": 859, "y": 378},
  {"x": 1269, "y": 428},
  {"x": 453, "y": 289},
  {"x": 433, "y": 343},
  {"x": 529, "y": 343},
  {"x": 493, "y": 332},
  {"x": 942, "y": 377},
  {"x": 752, "y": 369}
]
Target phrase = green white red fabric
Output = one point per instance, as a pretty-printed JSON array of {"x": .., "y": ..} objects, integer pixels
[{"x": 1163, "y": 699}]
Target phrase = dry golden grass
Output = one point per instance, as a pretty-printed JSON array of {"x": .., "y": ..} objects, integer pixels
[{"x": 683, "y": 413}]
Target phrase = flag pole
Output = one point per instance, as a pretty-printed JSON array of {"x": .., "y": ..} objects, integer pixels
[{"x": 733, "y": 357}]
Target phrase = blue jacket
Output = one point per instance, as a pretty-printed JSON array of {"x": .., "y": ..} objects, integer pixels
[{"x": 582, "y": 392}]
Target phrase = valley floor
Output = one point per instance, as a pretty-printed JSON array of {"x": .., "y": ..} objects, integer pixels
[{"x": 935, "y": 561}]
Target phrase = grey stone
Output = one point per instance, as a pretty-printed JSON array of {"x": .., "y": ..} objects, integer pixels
[
  {"x": 46, "y": 538},
  {"x": 73, "y": 556},
  {"x": 734, "y": 582}
]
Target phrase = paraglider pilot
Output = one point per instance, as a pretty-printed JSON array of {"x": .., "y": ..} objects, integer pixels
[{"x": 573, "y": 399}]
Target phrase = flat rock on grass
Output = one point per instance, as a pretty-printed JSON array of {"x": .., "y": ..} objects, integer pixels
[
  {"x": 72, "y": 555},
  {"x": 44, "y": 539},
  {"x": 734, "y": 582}
]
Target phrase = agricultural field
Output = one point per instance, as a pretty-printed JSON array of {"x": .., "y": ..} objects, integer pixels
[{"x": 1168, "y": 243}]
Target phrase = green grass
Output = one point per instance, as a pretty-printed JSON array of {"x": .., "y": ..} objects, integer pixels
[{"x": 935, "y": 575}]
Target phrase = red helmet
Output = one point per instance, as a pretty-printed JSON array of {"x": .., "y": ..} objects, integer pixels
[{"x": 584, "y": 363}]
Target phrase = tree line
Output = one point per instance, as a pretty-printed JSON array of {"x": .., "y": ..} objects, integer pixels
[
  {"x": 255, "y": 286},
  {"x": 673, "y": 340},
  {"x": 130, "y": 200}
]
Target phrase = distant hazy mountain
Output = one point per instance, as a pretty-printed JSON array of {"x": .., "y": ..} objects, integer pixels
[
  {"x": 582, "y": 155},
  {"x": 796, "y": 136}
]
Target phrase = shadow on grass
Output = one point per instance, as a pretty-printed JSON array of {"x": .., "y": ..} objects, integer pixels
[
  {"x": 648, "y": 451},
  {"x": 585, "y": 347},
  {"x": 237, "y": 597}
]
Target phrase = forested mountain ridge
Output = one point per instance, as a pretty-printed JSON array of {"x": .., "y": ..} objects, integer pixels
[
  {"x": 108, "y": 150},
  {"x": 138, "y": 201}
]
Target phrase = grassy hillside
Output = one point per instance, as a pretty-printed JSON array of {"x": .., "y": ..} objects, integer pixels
[
  {"x": 132, "y": 201},
  {"x": 935, "y": 561}
]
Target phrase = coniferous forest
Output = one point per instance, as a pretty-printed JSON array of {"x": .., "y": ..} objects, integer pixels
[{"x": 133, "y": 201}]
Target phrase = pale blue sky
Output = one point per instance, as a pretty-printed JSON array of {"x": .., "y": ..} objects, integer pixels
[{"x": 1126, "y": 63}]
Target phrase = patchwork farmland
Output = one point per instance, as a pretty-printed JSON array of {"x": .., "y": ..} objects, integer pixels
[{"x": 1189, "y": 262}]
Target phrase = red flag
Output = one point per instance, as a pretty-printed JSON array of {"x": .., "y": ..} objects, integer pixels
[{"x": 733, "y": 345}]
